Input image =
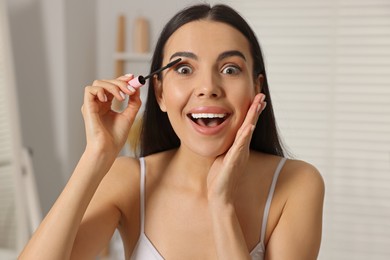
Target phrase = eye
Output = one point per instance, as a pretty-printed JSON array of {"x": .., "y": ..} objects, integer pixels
[
  {"x": 183, "y": 69},
  {"x": 231, "y": 70}
]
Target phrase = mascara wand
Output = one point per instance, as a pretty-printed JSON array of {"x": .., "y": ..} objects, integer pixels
[{"x": 141, "y": 80}]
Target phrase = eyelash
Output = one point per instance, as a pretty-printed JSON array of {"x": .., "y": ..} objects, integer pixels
[
  {"x": 235, "y": 68},
  {"x": 180, "y": 66}
]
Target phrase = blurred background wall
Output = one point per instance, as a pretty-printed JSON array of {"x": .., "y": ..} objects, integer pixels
[{"x": 54, "y": 52}]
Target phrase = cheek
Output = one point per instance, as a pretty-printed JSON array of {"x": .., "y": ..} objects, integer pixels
[
  {"x": 241, "y": 95},
  {"x": 174, "y": 98}
]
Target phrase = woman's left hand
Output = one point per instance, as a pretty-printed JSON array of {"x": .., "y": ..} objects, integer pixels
[{"x": 227, "y": 168}]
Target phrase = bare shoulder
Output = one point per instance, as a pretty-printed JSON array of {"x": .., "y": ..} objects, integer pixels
[
  {"x": 294, "y": 175},
  {"x": 126, "y": 161},
  {"x": 119, "y": 189},
  {"x": 297, "y": 178},
  {"x": 123, "y": 171},
  {"x": 301, "y": 177},
  {"x": 299, "y": 196},
  {"x": 122, "y": 180},
  {"x": 125, "y": 166}
]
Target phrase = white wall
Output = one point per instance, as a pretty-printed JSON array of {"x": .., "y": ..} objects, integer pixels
[
  {"x": 54, "y": 48},
  {"x": 80, "y": 31},
  {"x": 34, "y": 73}
]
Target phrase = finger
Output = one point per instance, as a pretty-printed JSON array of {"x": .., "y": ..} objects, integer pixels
[
  {"x": 241, "y": 144},
  {"x": 95, "y": 100},
  {"x": 126, "y": 77},
  {"x": 129, "y": 89},
  {"x": 133, "y": 106},
  {"x": 124, "y": 86},
  {"x": 255, "y": 109},
  {"x": 244, "y": 137},
  {"x": 244, "y": 133},
  {"x": 92, "y": 93},
  {"x": 102, "y": 96},
  {"x": 113, "y": 87}
]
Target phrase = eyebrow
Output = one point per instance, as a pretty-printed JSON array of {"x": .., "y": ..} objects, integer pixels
[
  {"x": 221, "y": 56},
  {"x": 228, "y": 54},
  {"x": 186, "y": 54}
]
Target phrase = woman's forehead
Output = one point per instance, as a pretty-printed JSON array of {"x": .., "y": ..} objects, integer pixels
[{"x": 206, "y": 37}]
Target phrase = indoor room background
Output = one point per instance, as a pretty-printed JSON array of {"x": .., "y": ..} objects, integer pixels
[{"x": 328, "y": 65}]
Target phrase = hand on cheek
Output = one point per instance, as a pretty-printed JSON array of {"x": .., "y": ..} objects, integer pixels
[{"x": 227, "y": 168}]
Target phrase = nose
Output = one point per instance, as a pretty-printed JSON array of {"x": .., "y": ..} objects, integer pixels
[{"x": 209, "y": 87}]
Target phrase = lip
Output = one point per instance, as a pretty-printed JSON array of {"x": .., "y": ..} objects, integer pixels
[{"x": 212, "y": 110}]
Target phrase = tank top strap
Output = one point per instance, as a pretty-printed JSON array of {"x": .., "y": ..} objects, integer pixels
[
  {"x": 142, "y": 193},
  {"x": 269, "y": 199}
]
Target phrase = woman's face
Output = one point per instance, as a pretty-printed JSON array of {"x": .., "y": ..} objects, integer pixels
[{"x": 208, "y": 93}]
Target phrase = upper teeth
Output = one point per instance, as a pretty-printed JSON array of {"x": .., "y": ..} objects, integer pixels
[{"x": 208, "y": 115}]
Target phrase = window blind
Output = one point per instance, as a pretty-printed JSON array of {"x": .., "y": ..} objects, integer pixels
[{"x": 328, "y": 65}]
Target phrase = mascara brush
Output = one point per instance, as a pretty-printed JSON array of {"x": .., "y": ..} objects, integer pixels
[{"x": 141, "y": 80}]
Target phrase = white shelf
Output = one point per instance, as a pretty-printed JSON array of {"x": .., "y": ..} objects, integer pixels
[{"x": 131, "y": 56}]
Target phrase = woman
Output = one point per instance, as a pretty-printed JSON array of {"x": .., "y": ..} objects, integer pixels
[{"x": 211, "y": 161}]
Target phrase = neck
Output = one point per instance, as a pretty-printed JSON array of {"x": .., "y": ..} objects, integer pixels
[{"x": 191, "y": 169}]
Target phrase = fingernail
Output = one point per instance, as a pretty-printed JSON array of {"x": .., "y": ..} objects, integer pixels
[
  {"x": 262, "y": 98},
  {"x": 258, "y": 108},
  {"x": 122, "y": 94},
  {"x": 131, "y": 88},
  {"x": 265, "y": 104},
  {"x": 105, "y": 98},
  {"x": 129, "y": 75}
]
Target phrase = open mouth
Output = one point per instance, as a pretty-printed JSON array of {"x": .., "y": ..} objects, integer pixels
[{"x": 208, "y": 119}]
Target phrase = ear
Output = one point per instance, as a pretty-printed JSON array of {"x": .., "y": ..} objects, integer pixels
[
  {"x": 259, "y": 81},
  {"x": 158, "y": 92}
]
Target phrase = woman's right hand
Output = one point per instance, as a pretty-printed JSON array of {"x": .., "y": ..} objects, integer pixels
[{"x": 107, "y": 130}]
